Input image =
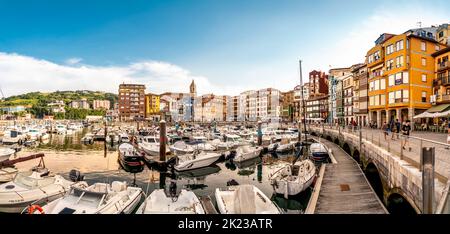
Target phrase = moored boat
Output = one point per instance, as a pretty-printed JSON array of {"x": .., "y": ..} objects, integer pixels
[
  {"x": 196, "y": 160},
  {"x": 244, "y": 199},
  {"x": 318, "y": 152},
  {"x": 98, "y": 198},
  {"x": 158, "y": 202},
  {"x": 291, "y": 179},
  {"x": 30, "y": 187},
  {"x": 247, "y": 152}
]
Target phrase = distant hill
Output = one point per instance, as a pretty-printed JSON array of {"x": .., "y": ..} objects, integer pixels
[{"x": 41, "y": 99}]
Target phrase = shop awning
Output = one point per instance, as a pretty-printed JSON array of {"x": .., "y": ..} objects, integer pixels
[
  {"x": 438, "y": 111},
  {"x": 439, "y": 108}
]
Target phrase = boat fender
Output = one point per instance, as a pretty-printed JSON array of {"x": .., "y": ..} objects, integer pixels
[{"x": 32, "y": 208}]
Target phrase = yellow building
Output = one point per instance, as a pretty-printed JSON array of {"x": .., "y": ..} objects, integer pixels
[
  {"x": 401, "y": 72},
  {"x": 441, "y": 86},
  {"x": 151, "y": 105}
]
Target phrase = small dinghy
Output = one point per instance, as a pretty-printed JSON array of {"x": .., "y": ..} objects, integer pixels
[
  {"x": 186, "y": 202},
  {"x": 318, "y": 152},
  {"x": 180, "y": 147},
  {"x": 99, "y": 198},
  {"x": 247, "y": 152},
  {"x": 5, "y": 153},
  {"x": 291, "y": 179},
  {"x": 196, "y": 160},
  {"x": 244, "y": 199},
  {"x": 30, "y": 187}
]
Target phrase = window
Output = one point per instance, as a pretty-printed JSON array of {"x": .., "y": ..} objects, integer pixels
[
  {"x": 405, "y": 95},
  {"x": 377, "y": 85},
  {"x": 424, "y": 96},
  {"x": 399, "y": 45},
  {"x": 423, "y": 46},
  {"x": 424, "y": 77},
  {"x": 398, "y": 79},
  {"x": 382, "y": 99},
  {"x": 389, "y": 49},
  {"x": 389, "y": 64},
  {"x": 424, "y": 61},
  {"x": 391, "y": 80},
  {"x": 382, "y": 84},
  {"x": 399, "y": 61},
  {"x": 405, "y": 77},
  {"x": 372, "y": 87},
  {"x": 377, "y": 100},
  {"x": 391, "y": 97}
]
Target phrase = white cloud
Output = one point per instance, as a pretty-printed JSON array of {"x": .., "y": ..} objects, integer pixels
[
  {"x": 21, "y": 74},
  {"x": 394, "y": 18},
  {"x": 73, "y": 61}
]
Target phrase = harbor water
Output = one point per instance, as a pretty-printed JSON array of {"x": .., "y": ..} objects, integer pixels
[{"x": 98, "y": 162}]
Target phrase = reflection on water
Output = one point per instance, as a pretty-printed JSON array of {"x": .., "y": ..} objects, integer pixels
[{"x": 99, "y": 163}]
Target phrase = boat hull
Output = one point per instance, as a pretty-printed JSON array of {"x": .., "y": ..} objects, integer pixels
[{"x": 197, "y": 163}]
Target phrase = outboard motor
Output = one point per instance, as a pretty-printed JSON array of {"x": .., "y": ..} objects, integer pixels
[
  {"x": 232, "y": 182},
  {"x": 75, "y": 175}
]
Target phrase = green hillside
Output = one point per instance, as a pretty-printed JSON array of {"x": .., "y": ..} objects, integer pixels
[{"x": 38, "y": 101}]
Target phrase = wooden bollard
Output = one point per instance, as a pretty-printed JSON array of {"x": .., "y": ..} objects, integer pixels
[{"x": 162, "y": 140}]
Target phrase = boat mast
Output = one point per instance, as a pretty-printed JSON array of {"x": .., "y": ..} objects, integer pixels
[{"x": 303, "y": 99}]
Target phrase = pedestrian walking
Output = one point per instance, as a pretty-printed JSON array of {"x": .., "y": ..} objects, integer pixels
[
  {"x": 398, "y": 126},
  {"x": 385, "y": 130},
  {"x": 392, "y": 128},
  {"x": 406, "y": 131}
]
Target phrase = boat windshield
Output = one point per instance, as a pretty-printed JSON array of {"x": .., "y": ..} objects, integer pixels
[
  {"x": 151, "y": 140},
  {"x": 29, "y": 181}
]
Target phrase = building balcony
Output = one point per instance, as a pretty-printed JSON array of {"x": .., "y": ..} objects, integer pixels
[
  {"x": 443, "y": 66},
  {"x": 443, "y": 98},
  {"x": 444, "y": 80}
]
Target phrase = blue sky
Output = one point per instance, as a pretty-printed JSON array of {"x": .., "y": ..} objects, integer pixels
[{"x": 229, "y": 46}]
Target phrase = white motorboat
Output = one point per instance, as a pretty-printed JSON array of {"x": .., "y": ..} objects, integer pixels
[
  {"x": 45, "y": 136},
  {"x": 150, "y": 145},
  {"x": 60, "y": 129},
  {"x": 99, "y": 198},
  {"x": 88, "y": 138},
  {"x": 244, "y": 199},
  {"x": 284, "y": 146},
  {"x": 29, "y": 187},
  {"x": 158, "y": 202},
  {"x": 200, "y": 143},
  {"x": 196, "y": 160},
  {"x": 220, "y": 145},
  {"x": 247, "y": 152},
  {"x": 124, "y": 138},
  {"x": 33, "y": 134},
  {"x": 7, "y": 174},
  {"x": 112, "y": 138},
  {"x": 14, "y": 137},
  {"x": 180, "y": 147},
  {"x": 5, "y": 153},
  {"x": 291, "y": 179}
]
